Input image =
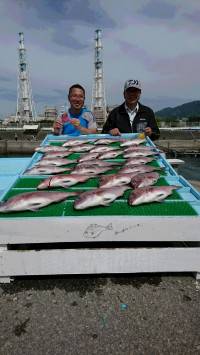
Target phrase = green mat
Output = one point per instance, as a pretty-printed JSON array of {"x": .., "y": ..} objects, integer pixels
[
  {"x": 171, "y": 206},
  {"x": 118, "y": 208},
  {"x": 33, "y": 182}
]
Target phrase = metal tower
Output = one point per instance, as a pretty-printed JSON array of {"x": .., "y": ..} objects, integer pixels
[
  {"x": 98, "y": 106},
  {"x": 25, "y": 106}
]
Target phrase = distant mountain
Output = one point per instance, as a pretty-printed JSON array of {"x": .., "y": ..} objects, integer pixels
[{"x": 190, "y": 109}]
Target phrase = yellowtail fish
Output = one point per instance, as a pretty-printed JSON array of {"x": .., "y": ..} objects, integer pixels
[{"x": 33, "y": 201}]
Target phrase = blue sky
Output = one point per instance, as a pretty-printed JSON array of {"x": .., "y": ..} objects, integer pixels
[{"x": 156, "y": 41}]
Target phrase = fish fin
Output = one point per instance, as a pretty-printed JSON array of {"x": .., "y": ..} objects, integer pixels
[
  {"x": 106, "y": 203},
  {"x": 33, "y": 209}
]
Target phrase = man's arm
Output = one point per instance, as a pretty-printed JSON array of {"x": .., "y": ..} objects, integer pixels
[
  {"x": 57, "y": 127},
  {"x": 92, "y": 126}
]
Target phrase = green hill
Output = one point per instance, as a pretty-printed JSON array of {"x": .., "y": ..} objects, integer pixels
[{"x": 190, "y": 109}]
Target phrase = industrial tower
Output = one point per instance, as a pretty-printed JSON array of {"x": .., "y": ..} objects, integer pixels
[
  {"x": 25, "y": 105},
  {"x": 98, "y": 106}
]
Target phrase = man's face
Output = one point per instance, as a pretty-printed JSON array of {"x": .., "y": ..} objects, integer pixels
[
  {"x": 76, "y": 98},
  {"x": 132, "y": 96}
]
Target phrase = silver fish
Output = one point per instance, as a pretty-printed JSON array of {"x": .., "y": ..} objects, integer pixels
[
  {"x": 139, "y": 149},
  {"x": 45, "y": 170},
  {"x": 54, "y": 162},
  {"x": 62, "y": 181},
  {"x": 139, "y": 169},
  {"x": 98, "y": 163},
  {"x": 98, "y": 197},
  {"x": 75, "y": 142},
  {"x": 33, "y": 200},
  {"x": 110, "y": 155},
  {"x": 90, "y": 170},
  {"x": 103, "y": 149},
  {"x": 133, "y": 154},
  {"x": 58, "y": 154},
  {"x": 115, "y": 180},
  {"x": 135, "y": 141},
  {"x": 143, "y": 180},
  {"x": 104, "y": 141},
  {"x": 150, "y": 194},
  {"x": 88, "y": 156},
  {"x": 138, "y": 161},
  {"x": 81, "y": 148},
  {"x": 50, "y": 148}
]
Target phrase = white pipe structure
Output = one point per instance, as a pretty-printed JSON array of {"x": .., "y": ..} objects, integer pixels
[
  {"x": 98, "y": 105},
  {"x": 25, "y": 105}
]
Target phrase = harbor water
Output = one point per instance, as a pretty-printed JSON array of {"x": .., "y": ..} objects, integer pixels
[{"x": 190, "y": 170}]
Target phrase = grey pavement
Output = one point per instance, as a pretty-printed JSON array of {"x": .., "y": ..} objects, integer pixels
[{"x": 130, "y": 314}]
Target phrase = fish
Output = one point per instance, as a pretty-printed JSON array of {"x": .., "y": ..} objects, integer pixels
[
  {"x": 98, "y": 163},
  {"x": 50, "y": 148},
  {"x": 32, "y": 201},
  {"x": 45, "y": 170},
  {"x": 130, "y": 142},
  {"x": 139, "y": 169},
  {"x": 133, "y": 154},
  {"x": 80, "y": 148},
  {"x": 88, "y": 156},
  {"x": 54, "y": 162},
  {"x": 94, "y": 230},
  {"x": 57, "y": 154},
  {"x": 104, "y": 141},
  {"x": 138, "y": 161},
  {"x": 110, "y": 155},
  {"x": 150, "y": 194},
  {"x": 140, "y": 149},
  {"x": 90, "y": 170},
  {"x": 62, "y": 181},
  {"x": 75, "y": 142},
  {"x": 103, "y": 149},
  {"x": 98, "y": 197},
  {"x": 112, "y": 180},
  {"x": 143, "y": 180}
]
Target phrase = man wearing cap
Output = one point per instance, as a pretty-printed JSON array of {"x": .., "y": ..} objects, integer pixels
[{"x": 131, "y": 116}]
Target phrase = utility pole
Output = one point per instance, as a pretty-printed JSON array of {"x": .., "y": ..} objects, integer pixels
[
  {"x": 98, "y": 106},
  {"x": 25, "y": 105}
]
